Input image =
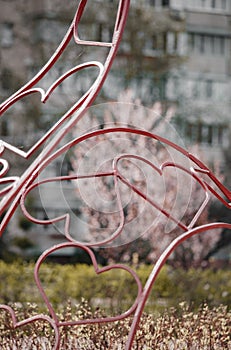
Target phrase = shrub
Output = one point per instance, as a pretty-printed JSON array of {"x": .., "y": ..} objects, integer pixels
[
  {"x": 174, "y": 329},
  {"x": 115, "y": 290}
]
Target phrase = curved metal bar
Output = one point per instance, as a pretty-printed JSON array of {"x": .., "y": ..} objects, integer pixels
[
  {"x": 160, "y": 172},
  {"x": 15, "y": 189},
  {"x": 44, "y": 97},
  {"x": 40, "y": 317},
  {"x": 66, "y": 217},
  {"x": 157, "y": 268},
  {"x": 189, "y": 231},
  {"x": 195, "y": 170},
  {"x": 98, "y": 271},
  {"x": 118, "y": 176},
  {"x": 57, "y": 132}
]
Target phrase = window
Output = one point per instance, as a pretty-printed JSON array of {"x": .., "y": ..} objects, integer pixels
[
  {"x": 202, "y": 43},
  {"x": 165, "y": 3},
  {"x": 63, "y": 168},
  {"x": 212, "y": 134},
  {"x": 223, "y": 4},
  {"x": 222, "y": 45},
  {"x": 219, "y": 4},
  {"x": 191, "y": 41},
  {"x": 203, "y": 3},
  {"x": 4, "y": 128},
  {"x": 211, "y": 43},
  {"x": 162, "y": 87},
  {"x": 196, "y": 89},
  {"x": 207, "y": 44},
  {"x": 157, "y": 3},
  {"x": 213, "y": 4},
  {"x": 104, "y": 33},
  {"x": 6, "y": 79},
  {"x": 190, "y": 132},
  {"x": 202, "y": 89},
  {"x": 175, "y": 43},
  {"x": 209, "y": 88},
  {"x": 7, "y": 37},
  {"x": 159, "y": 42}
]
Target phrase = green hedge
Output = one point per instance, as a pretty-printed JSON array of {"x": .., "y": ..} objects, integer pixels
[{"x": 114, "y": 289}]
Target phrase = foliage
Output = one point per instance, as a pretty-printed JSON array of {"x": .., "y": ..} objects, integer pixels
[
  {"x": 114, "y": 290},
  {"x": 24, "y": 224},
  {"x": 22, "y": 242},
  {"x": 157, "y": 192},
  {"x": 174, "y": 329}
]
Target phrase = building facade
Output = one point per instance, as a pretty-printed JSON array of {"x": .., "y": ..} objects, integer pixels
[{"x": 175, "y": 51}]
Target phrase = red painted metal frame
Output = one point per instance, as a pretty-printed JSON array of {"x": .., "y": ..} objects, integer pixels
[{"x": 15, "y": 189}]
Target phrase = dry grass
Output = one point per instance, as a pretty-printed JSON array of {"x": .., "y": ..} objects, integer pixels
[{"x": 175, "y": 329}]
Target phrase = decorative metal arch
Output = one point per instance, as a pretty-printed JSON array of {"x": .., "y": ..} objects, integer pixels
[{"x": 14, "y": 189}]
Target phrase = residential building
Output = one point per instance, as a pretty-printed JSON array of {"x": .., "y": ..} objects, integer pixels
[{"x": 174, "y": 51}]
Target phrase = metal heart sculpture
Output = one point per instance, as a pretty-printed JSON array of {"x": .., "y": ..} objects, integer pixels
[
  {"x": 14, "y": 189},
  {"x": 98, "y": 271},
  {"x": 31, "y": 321},
  {"x": 15, "y": 185},
  {"x": 118, "y": 177}
]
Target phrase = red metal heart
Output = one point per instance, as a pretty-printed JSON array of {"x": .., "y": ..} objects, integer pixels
[
  {"x": 160, "y": 170},
  {"x": 44, "y": 318},
  {"x": 117, "y": 176},
  {"x": 97, "y": 271}
]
